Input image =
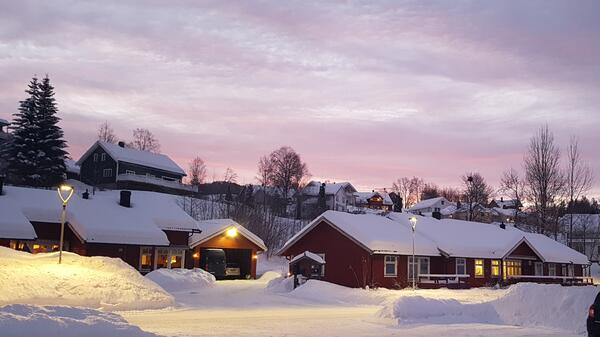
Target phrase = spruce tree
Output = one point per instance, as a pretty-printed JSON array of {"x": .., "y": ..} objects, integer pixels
[
  {"x": 24, "y": 153},
  {"x": 51, "y": 143}
]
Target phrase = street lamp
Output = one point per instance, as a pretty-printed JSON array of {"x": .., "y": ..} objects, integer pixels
[
  {"x": 413, "y": 222},
  {"x": 65, "y": 192}
]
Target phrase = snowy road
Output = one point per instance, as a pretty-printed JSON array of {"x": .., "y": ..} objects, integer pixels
[{"x": 245, "y": 308}]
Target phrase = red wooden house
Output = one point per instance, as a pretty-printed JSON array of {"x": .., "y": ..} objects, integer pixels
[{"x": 376, "y": 251}]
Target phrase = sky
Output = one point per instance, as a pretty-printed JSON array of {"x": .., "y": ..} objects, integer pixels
[{"x": 364, "y": 91}]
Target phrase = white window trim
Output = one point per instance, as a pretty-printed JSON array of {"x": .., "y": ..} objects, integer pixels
[
  {"x": 104, "y": 173},
  {"x": 103, "y": 157},
  {"x": 492, "y": 268},
  {"x": 95, "y": 156},
  {"x": 129, "y": 172},
  {"x": 551, "y": 269},
  {"x": 418, "y": 267},
  {"x": 385, "y": 263},
  {"x": 464, "y": 264},
  {"x": 537, "y": 265},
  {"x": 482, "y": 268},
  {"x": 322, "y": 255},
  {"x": 169, "y": 256},
  {"x": 151, "y": 255}
]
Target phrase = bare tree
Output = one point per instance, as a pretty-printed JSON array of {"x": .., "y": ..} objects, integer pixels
[
  {"x": 106, "y": 133},
  {"x": 475, "y": 191},
  {"x": 430, "y": 191},
  {"x": 230, "y": 176},
  {"x": 450, "y": 193},
  {"x": 197, "y": 171},
  {"x": 144, "y": 140},
  {"x": 543, "y": 176},
  {"x": 417, "y": 185},
  {"x": 288, "y": 170},
  {"x": 265, "y": 171},
  {"x": 579, "y": 179},
  {"x": 514, "y": 186},
  {"x": 402, "y": 187}
]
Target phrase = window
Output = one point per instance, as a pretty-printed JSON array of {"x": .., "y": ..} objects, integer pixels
[
  {"x": 145, "y": 258},
  {"x": 571, "y": 270},
  {"x": 512, "y": 268},
  {"x": 391, "y": 264},
  {"x": 551, "y": 269},
  {"x": 564, "y": 270},
  {"x": 129, "y": 172},
  {"x": 461, "y": 266},
  {"x": 421, "y": 266},
  {"x": 479, "y": 272},
  {"x": 539, "y": 269},
  {"x": 170, "y": 258},
  {"x": 103, "y": 157},
  {"x": 169, "y": 178},
  {"x": 149, "y": 175},
  {"x": 107, "y": 173},
  {"x": 495, "y": 268}
]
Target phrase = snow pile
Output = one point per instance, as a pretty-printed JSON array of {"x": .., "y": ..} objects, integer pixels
[
  {"x": 524, "y": 304},
  {"x": 182, "y": 279},
  {"x": 280, "y": 285},
  {"x": 329, "y": 293},
  {"x": 94, "y": 282},
  {"x": 418, "y": 309},
  {"x": 19, "y": 320}
]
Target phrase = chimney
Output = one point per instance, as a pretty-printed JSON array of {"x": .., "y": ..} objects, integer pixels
[
  {"x": 501, "y": 199},
  {"x": 125, "y": 200},
  {"x": 86, "y": 194},
  {"x": 121, "y": 144},
  {"x": 1, "y": 184},
  {"x": 502, "y": 225}
]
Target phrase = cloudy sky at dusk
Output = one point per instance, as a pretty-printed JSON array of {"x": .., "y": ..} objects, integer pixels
[{"x": 364, "y": 91}]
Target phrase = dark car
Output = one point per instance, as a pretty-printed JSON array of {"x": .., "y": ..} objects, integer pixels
[
  {"x": 593, "y": 320},
  {"x": 213, "y": 261}
]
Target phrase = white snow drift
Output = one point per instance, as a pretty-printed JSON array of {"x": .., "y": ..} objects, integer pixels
[
  {"x": 20, "y": 320},
  {"x": 181, "y": 279},
  {"x": 94, "y": 282}
]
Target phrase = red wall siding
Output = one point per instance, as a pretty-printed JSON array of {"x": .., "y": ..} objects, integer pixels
[{"x": 347, "y": 263}]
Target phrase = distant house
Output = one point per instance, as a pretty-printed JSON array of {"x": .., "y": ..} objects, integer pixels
[
  {"x": 338, "y": 196},
  {"x": 4, "y": 135},
  {"x": 429, "y": 206},
  {"x": 586, "y": 233},
  {"x": 374, "y": 200},
  {"x": 505, "y": 204},
  {"x": 363, "y": 250},
  {"x": 116, "y": 166}
]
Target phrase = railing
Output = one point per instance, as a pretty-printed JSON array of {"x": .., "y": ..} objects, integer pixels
[
  {"x": 446, "y": 278},
  {"x": 564, "y": 279},
  {"x": 156, "y": 181}
]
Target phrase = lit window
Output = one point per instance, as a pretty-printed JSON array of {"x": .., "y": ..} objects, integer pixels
[
  {"x": 145, "y": 258},
  {"x": 162, "y": 258},
  {"x": 391, "y": 263},
  {"x": 512, "y": 268},
  {"x": 479, "y": 272},
  {"x": 461, "y": 266},
  {"x": 107, "y": 173},
  {"x": 495, "y": 268},
  {"x": 539, "y": 269},
  {"x": 170, "y": 258}
]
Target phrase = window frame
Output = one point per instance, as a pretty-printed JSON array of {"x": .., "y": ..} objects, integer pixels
[
  {"x": 386, "y": 263},
  {"x": 105, "y": 171},
  {"x": 482, "y": 265},
  {"x": 495, "y": 265},
  {"x": 537, "y": 265},
  {"x": 551, "y": 269},
  {"x": 418, "y": 266},
  {"x": 130, "y": 172},
  {"x": 150, "y": 252},
  {"x": 95, "y": 157},
  {"x": 464, "y": 265},
  {"x": 103, "y": 157},
  {"x": 171, "y": 251}
]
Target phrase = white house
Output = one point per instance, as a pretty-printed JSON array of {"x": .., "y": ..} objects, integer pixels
[
  {"x": 430, "y": 205},
  {"x": 338, "y": 196}
]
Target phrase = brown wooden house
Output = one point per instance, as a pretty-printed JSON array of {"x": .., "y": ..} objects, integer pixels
[{"x": 376, "y": 251}]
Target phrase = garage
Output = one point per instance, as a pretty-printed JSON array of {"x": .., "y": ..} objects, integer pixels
[{"x": 226, "y": 249}]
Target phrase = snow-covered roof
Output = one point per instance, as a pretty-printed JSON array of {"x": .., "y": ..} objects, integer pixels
[
  {"x": 13, "y": 223},
  {"x": 448, "y": 210},
  {"x": 129, "y": 155},
  {"x": 393, "y": 234},
  {"x": 310, "y": 255},
  {"x": 363, "y": 197},
  {"x": 503, "y": 203},
  {"x": 375, "y": 233},
  {"x": 72, "y": 166},
  {"x": 215, "y": 227},
  {"x": 314, "y": 187},
  {"x": 505, "y": 211},
  {"x": 429, "y": 203},
  {"x": 100, "y": 219}
]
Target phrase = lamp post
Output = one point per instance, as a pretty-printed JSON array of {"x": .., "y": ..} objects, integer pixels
[
  {"x": 65, "y": 192},
  {"x": 413, "y": 222}
]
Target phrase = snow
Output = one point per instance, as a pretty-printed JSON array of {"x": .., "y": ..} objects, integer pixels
[
  {"x": 72, "y": 166},
  {"x": 271, "y": 264},
  {"x": 94, "y": 282},
  {"x": 13, "y": 223},
  {"x": 428, "y": 203},
  {"x": 129, "y": 155},
  {"x": 524, "y": 304},
  {"x": 313, "y": 188},
  {"x": 3, "y": 121},
  {"x": 156, "y": 181},
  {"x": 376, "y": 233},
  {"x": 215, "y": 227},
  {"x": 309, "y": 255},
  {"x": 19, "y": 320},
  {"x": 363, "y": 197},
  {"x": 181, "y": 279},
  {"x": 100, "y": 219}
]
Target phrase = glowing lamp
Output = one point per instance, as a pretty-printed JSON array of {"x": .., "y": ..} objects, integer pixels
[
  {"x": 413, "y": 222},
  {"x": 254, "y": 257},
  {"x": 196, "y": 255},
  {"x": 232, "y": 232},
  {"x": 65, "y": 192}
]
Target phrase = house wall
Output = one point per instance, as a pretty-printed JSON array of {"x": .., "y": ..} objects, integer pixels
[
  {"x": 92, "y": 172},
  {"x": 144, "y": 170},
  {"x": 225, "y": 242},
  {"x": 346, "y": 263}
]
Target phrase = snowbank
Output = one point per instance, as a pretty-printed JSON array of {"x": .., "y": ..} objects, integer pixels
[
  {"x": 93, "y": 282},
  {"x": 524, "y": 304},
  {"x": 280, "y": 285},
  {"x": 182, "y": 279},
  {"x": 19, "y": 320}
]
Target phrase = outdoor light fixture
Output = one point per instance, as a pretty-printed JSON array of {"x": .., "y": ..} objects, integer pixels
[
  {"x": 254, "y": 257},
  {"x": 196, "y": 255},
  {"x": 232, "y": 232},
  {"x": 65, "y": 192},
  {"x": 413, "y": 222}
]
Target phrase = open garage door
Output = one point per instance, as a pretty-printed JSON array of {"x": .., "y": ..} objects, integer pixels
[{"x": 239, "y": 262}]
